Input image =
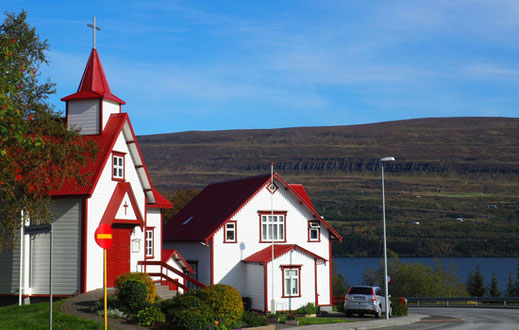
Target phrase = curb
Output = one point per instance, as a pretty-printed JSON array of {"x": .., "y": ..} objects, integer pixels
[{"x": 372, "y": 324}]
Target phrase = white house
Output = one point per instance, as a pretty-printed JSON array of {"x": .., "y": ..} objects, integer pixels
[
  {"x": 226, "y": 233},
  {"x": 119, "y": 192}
]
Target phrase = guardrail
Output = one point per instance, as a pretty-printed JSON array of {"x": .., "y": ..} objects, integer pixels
[{"x": 421, "y": 301}]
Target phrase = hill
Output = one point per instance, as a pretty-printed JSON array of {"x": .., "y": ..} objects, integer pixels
[{"x": 446, "y": 168}]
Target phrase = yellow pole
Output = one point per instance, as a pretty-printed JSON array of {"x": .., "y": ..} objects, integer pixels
[{"x": 104, "y": 285}]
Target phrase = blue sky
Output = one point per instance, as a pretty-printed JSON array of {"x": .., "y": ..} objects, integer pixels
[{"x": 214, "y": 65}]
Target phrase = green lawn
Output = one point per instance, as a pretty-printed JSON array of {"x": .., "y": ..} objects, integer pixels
[
  {"x": 36, "y": 316},
  {"x": 316, "y": 320}
]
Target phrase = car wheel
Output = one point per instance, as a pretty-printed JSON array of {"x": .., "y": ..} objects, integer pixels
[
  {"x": 378, "y": 313},
  {"x": 348, "y": 314},
  {"x": 361, "y": 314}
]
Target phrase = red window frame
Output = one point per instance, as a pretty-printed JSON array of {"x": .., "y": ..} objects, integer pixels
[
  {"x": 152, "y": 230},
  {"x": 267, "y": 213},
  {"x": 235, "y": 232},
  {"x": 122, "y": 155},
  {"x": 286, "y": 267},
  {"x": 318, "y": 232}
]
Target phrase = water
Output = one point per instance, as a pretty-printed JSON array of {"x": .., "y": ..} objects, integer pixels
[{"x": 353, "y": 268}]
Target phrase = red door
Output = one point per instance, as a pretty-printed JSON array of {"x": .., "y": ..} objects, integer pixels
[{"x": 118, "y": 255}]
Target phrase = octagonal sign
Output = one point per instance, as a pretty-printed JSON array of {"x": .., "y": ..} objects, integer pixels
[{"x": 103, "y": 236}]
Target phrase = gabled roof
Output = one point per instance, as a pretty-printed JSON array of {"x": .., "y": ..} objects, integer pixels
[
  {"x": 93, "y": 83},
  {"x": 218, "y": 203},
  {"x": 117, "y": 123},
  {"x": 300, "y": 190},
  {"x": 265, "y": 255},
  {"x": 172, "y": 253},
  {"x": 120, "y": 191},
  {"x": 161, "y": 201}
]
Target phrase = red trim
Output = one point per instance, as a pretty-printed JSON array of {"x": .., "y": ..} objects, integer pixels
[
  {"x": 212, "y": 261},
  {"x": 315, "y": 283},
  {"x": 84, "y": 240},
  {"x": 122, "y": 155},
  {"x": 235, "y": 232},
  {"x": 318, "y": 233},
  {"x": 161, "y": 242},
  {"x": 152, "y": 229},
  {"x": 145, "y": 226},
  {"x": 272, "y": 191},
  {"x": 100, "y": 115},
  {"x": 266, "y": 287},
  {"x": 284, "y": 213},
  {"x": 66, "y": 114},
  {"x": 265, "y": 255},
  {"x": 115, "y": 203},
  {"x": 330, "y": 268},
  {"x": 283, "y": 268}
]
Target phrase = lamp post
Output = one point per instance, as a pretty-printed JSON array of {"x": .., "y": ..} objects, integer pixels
[{"x": 382, "y": 160}]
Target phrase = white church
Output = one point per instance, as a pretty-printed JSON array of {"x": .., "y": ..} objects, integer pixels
[{"x": 119, "y": 192}]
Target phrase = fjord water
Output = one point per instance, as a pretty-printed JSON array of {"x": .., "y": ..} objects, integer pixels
[{"x": 353, "y": 268}]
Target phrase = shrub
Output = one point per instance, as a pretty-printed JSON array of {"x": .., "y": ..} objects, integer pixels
[
  {"x": 188, "y": 311},
  {"x": 132, "y": 296},
  {"x": 225, "y": 302},
  {"x": 111, "y": 302},
  {"x": 149, "y": 316},
  {"x": 307, "y": 309},
  {"x": 252, "y": 319},
  {"x": 399, "y": 306},
  {"x": 151, "y": 289}
]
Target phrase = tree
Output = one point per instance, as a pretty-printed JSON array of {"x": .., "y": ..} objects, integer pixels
[
  {"x": 493, "y": 286},
  {"x": 510, "y": 287},
  {"x": 37, "y": 151},
  {"x": 476, "y": 283},
  {"x": 516, "y": 283},
  {"x": 179, "y": 199},
  {"x": 339, "y": 285}
]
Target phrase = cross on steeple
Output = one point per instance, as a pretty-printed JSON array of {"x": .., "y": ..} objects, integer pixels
[{"x": 94, "y": 28}]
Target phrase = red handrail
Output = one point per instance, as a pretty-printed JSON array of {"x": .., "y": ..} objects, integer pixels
[{"x": 168, "y": 267}]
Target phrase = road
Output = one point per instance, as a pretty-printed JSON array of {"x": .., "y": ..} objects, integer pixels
[{"x": 464, "y": 318}]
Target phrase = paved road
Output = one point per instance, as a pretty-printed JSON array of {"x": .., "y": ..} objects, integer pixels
[{"x": 464, "y": 318}]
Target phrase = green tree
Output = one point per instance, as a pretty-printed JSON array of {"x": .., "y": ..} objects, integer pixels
[
  {"x": 510, "y": 287},
  {"x": 37, "y": 151},
  {"x": 476, "y": 283},
  {"x": 179, "y": 199},
  {"x": 493, "y": 286},
  {"x": 516, "y": 283},
  {"x": 339, "y": 285}
]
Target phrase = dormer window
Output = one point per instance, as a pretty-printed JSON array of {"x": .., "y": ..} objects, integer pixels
[
  {"x": 118, "y": 166},
  {"x": 314, "y": 231}
]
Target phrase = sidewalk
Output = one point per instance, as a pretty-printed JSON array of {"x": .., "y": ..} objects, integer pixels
[
  {"x": 80, "y": 306},
  {"x": 360, "y": 325}
]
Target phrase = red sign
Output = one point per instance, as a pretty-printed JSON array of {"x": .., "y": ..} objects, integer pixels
[{"x": 103, "y": 236}]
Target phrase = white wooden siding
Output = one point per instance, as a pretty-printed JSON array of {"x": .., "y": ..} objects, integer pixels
[
  {"x": 153, "y": 220},
  {"x": 84, "y": 114},
  {"x": 109, "y": 107},
  {"x": 254, "y": 285},
  {"x": 66, "y": 251}
]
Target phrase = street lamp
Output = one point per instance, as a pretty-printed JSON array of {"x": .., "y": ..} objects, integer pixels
[{"x": 382, "y": 160}]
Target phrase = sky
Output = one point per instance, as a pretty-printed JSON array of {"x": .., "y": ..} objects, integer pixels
[{"x": 217, "y": 65}]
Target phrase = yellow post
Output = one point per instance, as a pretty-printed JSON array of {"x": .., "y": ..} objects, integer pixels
[{"x": 104, "y": 285}]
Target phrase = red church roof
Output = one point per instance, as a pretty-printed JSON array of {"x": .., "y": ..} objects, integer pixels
[
  {"x": 265, "y": 255},
  {"x": 94, "y": 83},
  {"x": 219, "y": 202}
]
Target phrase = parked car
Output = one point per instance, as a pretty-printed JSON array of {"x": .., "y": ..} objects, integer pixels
[{"x": 366, "y": 300}]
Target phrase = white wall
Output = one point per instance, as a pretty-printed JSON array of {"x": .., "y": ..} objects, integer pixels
[
  {"x": 254, "y": 285},
  {"x": 84, "y": 114},
  {"x": 109, "y": 107}
]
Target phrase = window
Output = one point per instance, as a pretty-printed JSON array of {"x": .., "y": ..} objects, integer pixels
[
  {"x": 194, "y": 265},
  {"x": 149, "y": 242},
  {"x": 272, "y": 227},
  {"x": 291, "y": 281},
  {"x": 230, "y": 232},
  {"x": 118, "y": 166},
  {"x": 314, "y": 231}
]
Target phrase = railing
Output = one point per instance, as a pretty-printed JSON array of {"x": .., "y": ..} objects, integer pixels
[
  {"x": 163, "y": 274},
  {"x": 433, "y": 301}
]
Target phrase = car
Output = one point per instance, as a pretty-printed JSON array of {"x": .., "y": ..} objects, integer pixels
[{"x": 364, "y": 299}]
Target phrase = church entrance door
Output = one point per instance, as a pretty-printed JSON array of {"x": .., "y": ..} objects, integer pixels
[{"x": 118, "y": 255}]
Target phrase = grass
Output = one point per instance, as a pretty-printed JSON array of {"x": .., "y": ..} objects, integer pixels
[
  {"x": 316, "y": 320},
  {"x": 36, "y": 316}
]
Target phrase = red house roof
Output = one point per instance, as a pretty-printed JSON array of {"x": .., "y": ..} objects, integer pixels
[
  {"x": 265, "y": 255},
  {"x": 172, "y": 253},
  {"x": 218, "y": 203},
  {"x": 161, "y": 201},
  {"x": 120, "y": 191},
  {"x": 93, "y": 83}
]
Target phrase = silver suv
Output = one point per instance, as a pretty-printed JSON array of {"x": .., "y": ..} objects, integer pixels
[{"x": 365, "y": 300}]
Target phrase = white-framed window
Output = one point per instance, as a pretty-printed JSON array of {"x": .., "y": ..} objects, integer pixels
[
  {"x": 272, "y": 227},
  {"x": 230, "y": 232},
  {"x": 118, "y": 166},
  {"x": 291, "y": 281},
  {"x": 314, "y": 231},
  {"x": 149, "y": 242}
]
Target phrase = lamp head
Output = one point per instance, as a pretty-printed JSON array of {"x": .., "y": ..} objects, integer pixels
[{"x": 387, "y": 159}]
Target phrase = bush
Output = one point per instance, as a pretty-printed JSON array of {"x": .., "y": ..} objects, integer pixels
[
  {"x": 225, "y": 302},
  {"x": 399, "y": 306},
  {"x": 187, "y": 311},
  {"x": 151, "y": 289},
  {"x": 149, "y": 316},
  {"x": 132, "y": 296},
  {"x": 308, "y": 309},
  {"x": 252, "y": 319}
]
